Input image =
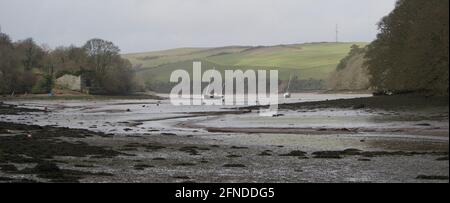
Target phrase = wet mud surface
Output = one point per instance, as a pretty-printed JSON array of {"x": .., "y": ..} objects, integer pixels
[{"x": 189, "y": 145}]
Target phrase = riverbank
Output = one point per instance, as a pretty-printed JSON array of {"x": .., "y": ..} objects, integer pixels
[{"x": 396, "y": 102}]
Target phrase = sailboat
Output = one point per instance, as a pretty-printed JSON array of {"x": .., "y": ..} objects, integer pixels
[
  {"x": 209, "y": 95},
  {"x": 287, "y": 94}
]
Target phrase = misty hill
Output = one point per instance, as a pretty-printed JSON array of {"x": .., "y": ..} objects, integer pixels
[{"x": 312, "y": 61}]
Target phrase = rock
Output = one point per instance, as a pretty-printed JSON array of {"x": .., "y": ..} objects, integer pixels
[
  {"x": 169, "y": 134},
  {"x": 8, "y": 168},
  {"x": 83, "y": 166},
  {"x": 265, "y": 153},
  {"x": 234, "y": 156},
  {"x": 234, "y": 166},
  {"x": 182, "y": 177},
  {"x": 277, "y": 115},
  {"x": 12, "y": 180},
  {"x": 142, "y": 167},
  {"x": 359, "y": 106},
  {"x": 184, "y": 164},
  {"x": 129, "y": 149},
  {"x": 336, "y": 154},
  {"x": 47, "y": 168},
  {"x": 153, "y": 147},
  {"x": 327, "y": 155},
  {"x": 352, "y": 151},
  {"x": 295, "y": 153},
  {"x": 424, "y": 124},
  {"x": 442, "y": 159},
  {"x": 235, "y": 147},
  {"x": 425, "y": 177},
  {"x": 193, "y": 150}
]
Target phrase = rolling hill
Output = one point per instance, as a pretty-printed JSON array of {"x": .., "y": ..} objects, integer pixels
[{"x": 311, "y": 61}]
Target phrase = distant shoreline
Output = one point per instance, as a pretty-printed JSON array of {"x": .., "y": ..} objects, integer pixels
[
  {"x": 395, "y": 102},
  {"x": 81, "y": 97}
]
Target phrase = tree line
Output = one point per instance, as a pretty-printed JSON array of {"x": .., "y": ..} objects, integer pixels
[
  {"x": 410, "y": 53},
  {"x": 26, "y": 67}
]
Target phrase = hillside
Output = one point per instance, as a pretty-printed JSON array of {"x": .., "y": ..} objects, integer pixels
[
  {"x": 351, "y": 73},
  {"x": 312, "y": 61}
]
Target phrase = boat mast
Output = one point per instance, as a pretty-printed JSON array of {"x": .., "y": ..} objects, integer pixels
[{"x": 289, "y": 84}]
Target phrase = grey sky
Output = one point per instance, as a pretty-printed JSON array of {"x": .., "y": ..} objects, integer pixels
[{"x": 143, "y": 25}]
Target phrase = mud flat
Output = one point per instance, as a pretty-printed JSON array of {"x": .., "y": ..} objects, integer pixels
[
  {"x": 397, "y": 103},
  {"x": 192, "y": 153}
]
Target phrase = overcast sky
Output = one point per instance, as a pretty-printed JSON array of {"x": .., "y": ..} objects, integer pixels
[{"x": 143, "y": 25}]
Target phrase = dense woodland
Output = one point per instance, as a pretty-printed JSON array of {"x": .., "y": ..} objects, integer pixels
[
  {"x": 26, "y": 67},
  {"x": 410, "y": 53}
]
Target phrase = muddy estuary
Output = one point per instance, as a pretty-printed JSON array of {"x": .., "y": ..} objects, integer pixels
[{"x": 315, "y": 138}]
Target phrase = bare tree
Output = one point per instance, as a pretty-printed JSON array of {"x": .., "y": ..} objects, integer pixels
[{"x": 101, "y": 54}]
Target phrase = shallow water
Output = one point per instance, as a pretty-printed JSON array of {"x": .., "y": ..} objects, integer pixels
[
  {"x": 138, "y": 115},
  {"x": 151, "y": 117}
]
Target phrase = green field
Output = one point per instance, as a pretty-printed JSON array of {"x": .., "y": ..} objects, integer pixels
[{"x": 307, "y": 61}]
